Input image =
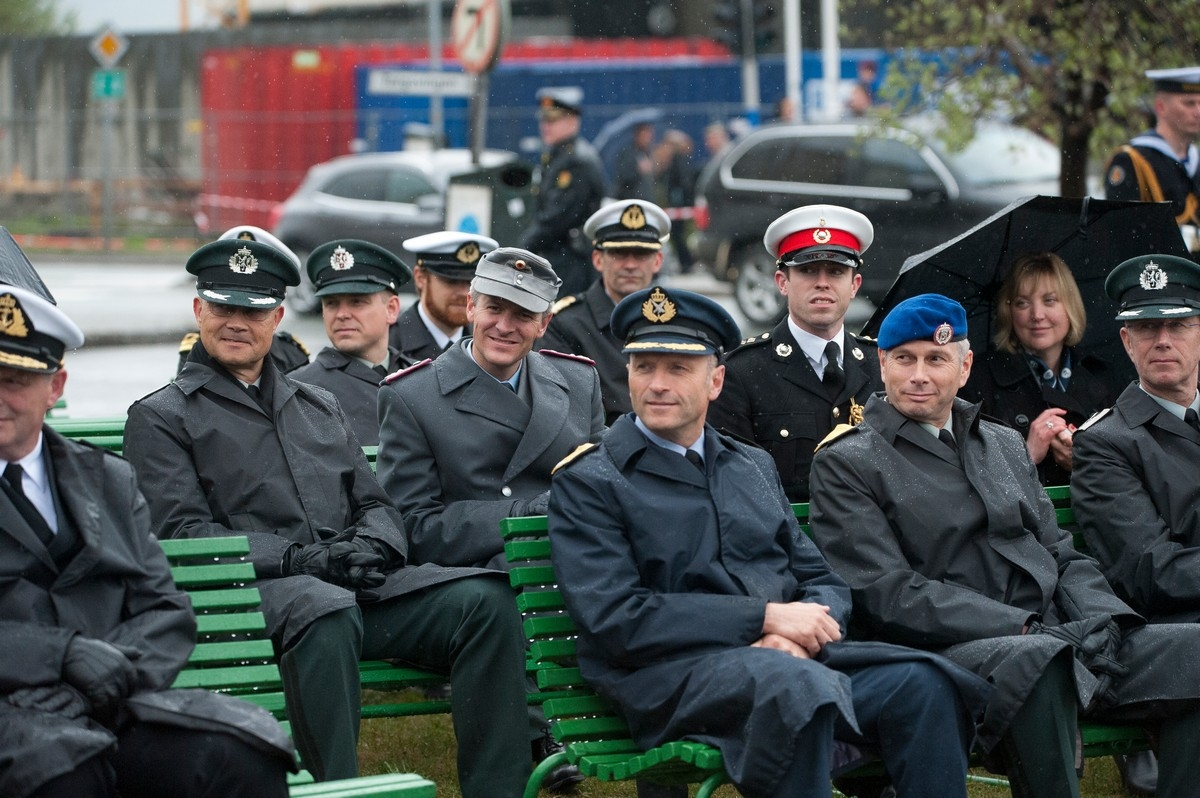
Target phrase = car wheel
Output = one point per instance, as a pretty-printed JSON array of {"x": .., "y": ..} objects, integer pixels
[
  {"x": 754, "y": 287},
  {"x": 303, "y": 298}
]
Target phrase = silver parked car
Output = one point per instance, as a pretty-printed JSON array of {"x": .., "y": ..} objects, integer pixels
[{"x": 381, "y": 197}]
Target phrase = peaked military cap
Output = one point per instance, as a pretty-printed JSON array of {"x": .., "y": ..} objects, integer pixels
[
  {"x": 518, "y": 276},
  {"x": 34, "y": 333},
  {"x": 1184, "y": 80},
  {"x": 556, "y": 101},
  {"x": 242, "y": 272},
  {"x": 814, "y": 233},
  {"x": 351, "y": 266},
  {"x": 658, "y": 319},
  {"x": 628, "y": 223},
  {"x": 925, "y": 317},
  {"x": 450, "y": 254},
  {"x": 1155, "y": 287}
]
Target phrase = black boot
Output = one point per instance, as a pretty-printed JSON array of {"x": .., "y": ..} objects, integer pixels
[{"x": 562, "y": 779}]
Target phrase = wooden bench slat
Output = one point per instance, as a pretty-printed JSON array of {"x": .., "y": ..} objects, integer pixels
[
  {"x": 234, "y": 598},
  {"x": 199, "y": 548},
  {"x": 190, "y": 577},
  {"x": 230, "y": 623},
  {"x": 234, "y": 651}
]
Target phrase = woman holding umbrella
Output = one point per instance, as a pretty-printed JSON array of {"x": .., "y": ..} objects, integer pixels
[{"x": 1035, "y": 380}]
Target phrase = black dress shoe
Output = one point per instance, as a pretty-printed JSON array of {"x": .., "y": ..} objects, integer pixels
[
  {"x": 1139, "y": 772},
  {"x": 562, "y": 779}
]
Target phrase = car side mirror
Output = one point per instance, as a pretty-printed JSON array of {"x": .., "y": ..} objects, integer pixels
[{"x": 430, "y": 202}]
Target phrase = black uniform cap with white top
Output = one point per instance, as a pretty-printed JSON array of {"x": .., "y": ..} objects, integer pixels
[
  {"x": 632, "y": 224},
  {"x": 352, "y": 266},
  {"x": 449, "y": 254},
  {"x": 1155, "y": 287},
  {"x": 518, "y": 276},
  {"x": 34, "y": 333},
  {"x": 557, "y": 101},
  {"x": 815, "y": 233}
]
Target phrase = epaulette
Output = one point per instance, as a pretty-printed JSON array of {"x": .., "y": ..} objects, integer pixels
[
  {"x": 579, "y": 451},
  {"x": 287, "y": 336},
  {"x": 835, "y": 433},
  {"x": 1099, "y": 414},
  {"x": 189, "y": 341},
  {"x": 754, "y": 340},
  {"x": 865, "y": 339},
  {"x": 395, "y": 375},
  {"x": 563, "y": 304},
  {"x": 569, "y": 356}
]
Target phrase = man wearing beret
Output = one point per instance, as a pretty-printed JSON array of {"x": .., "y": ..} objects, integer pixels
[
  {"x": 1164, "y": 163},
  {"x": 936, "y": 519},
  {"x": 356, "y": 282},
  {"x": 627, "y": 238},
  {"x": 234, "y": 447},
  {"x": 568, "y": 187},
  {"x": 704, "y": 612},
  {"x": 786, "y": 389},
  {"x": 470, "y": 438},
  {"x": 93, "y": 627},
  {"x": 443, "y": 265}
]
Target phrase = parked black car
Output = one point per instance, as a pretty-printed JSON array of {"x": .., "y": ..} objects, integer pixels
[{"x": 914, "y": 190}]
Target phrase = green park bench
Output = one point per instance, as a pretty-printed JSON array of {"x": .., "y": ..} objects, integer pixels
[{"x": 596, "y": 738}]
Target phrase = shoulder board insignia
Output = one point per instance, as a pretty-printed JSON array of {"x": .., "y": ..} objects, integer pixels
[
  {"x": 754, "y": 340},
  {"x": 1099, "y": 414},
  {"x": 835, "y": 433},
  {"x": 864, "y": 339},
  {"x": 287, "y": 336},
  {"x": 564, "y": 303},
  {"x": 389, "y": 379},
  {"x": 188, "y": 342},
  {"x": 568, "y": 356},
  {"x": 579, "y": 451}
]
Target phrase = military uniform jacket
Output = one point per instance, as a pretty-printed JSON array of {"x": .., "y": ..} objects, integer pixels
[
  {"x": 666, "y": 572},
  {"x": 1121, "y": 182},
  {"x": 773, "y": 397},
  {"x": 1009, "y": 391},
  {"x": 459, "y": 450},
  {"x": 958, "y": 555},
  {"x": 213, "y": 462},
  {"x": 1137, "y": 498},
  {"x": 581, "y": 328},
  {"x": 115, "y": 587},
  {"x": 355, "y": 386},
  {"x": 410, "y": 335}
]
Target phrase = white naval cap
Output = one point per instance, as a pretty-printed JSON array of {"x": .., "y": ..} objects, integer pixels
[
  {"x": 628, "y": 224},
  {"x": 34, "y": 333},
  {"x": 450, "y": 253},
  {"x": 819, "y": 233}
]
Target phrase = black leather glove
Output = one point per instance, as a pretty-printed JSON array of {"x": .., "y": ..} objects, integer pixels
[
  {"x": 534, "y": 505},
  {"x": 53, "y": 699},
  {"x": 1076, "y": 633},
  {"x": 341, "y": 559},
  {"x": 1100, "y": 657},
  {"x": 102, "y": 671}
]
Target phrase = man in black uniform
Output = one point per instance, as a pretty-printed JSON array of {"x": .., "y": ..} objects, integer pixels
[
  {"x": 94, "y": 629},
  {"x": 1163, "y": 163},
  {"x": 442, "y": 270},
  {"x": 627, "y": 238},
  {"x": 569, "y": 186},
  {"x": 786, "y": 389},
  {"x": 356, "y": 282},
  {"x": 233, "y": 446}
]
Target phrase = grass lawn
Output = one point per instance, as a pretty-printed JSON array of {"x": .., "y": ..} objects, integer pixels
[{"x": 425, "y": 745}]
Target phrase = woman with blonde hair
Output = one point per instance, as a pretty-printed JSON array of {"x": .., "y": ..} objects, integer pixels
[{"x": 1034, "y": 379}]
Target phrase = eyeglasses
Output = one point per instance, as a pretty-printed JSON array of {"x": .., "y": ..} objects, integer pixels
[
  {"x": 1149, "y": 330},
  {"x": 256, "y": 315}
]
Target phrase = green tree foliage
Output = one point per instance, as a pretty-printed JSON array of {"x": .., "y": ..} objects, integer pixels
[
  {"x": 1071, "y": 69},
  {"x": 34, "y": 18}
]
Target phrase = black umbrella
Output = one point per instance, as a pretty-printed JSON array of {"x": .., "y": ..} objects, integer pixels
[
  {"x": 1091, "y": 235},
  {"x": 15, "y": 268},
  {"x": 617, "y": 133}
]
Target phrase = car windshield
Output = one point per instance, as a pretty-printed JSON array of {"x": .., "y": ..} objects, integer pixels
[{"x": 998, "y": 154}]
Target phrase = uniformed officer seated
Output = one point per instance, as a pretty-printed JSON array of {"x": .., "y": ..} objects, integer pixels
[
  {"x": 356, "y": 282},
  {"x": 704, "y": 612}
]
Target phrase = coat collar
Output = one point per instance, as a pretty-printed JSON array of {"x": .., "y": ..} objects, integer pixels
[
  {"x": 1138, "y": 409},
  {"x": 797, "y": 370},
  {"x": 891, "y": 424},
  {"x": 599, "y": 304},
  {"x": 331, "y": 359},
  {"x": 629, "y": 448},
  {"x": 202, "y": 372}
]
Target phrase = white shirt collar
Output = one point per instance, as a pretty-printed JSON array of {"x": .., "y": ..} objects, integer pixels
[
  {"x": 813, "y": 346},
  {"x": 657, "y": 440},
  {"x": 1174, "y": 409},
  {"x": 439, "y": 337}
]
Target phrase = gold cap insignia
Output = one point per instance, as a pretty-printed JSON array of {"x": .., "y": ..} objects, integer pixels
[
  {"x": 520, "y": 265},
  {"x": 634, "y": 218},
  {"x": 858, "y": 353},
  {"x": 243, "y": 261},
  {"x": 341, "y": 259},
  {"x": 657, "y": 308},
  {"x": 564, "y": 179},
  {"x": 856, "y": 413},
  {"x": 943, "y": 334},
  {"x": 467, "y": 253},
  {"x": 783, "y": 350},
  {"x": 1153, "y": 278},
  {"x": 12, "y": 318}
]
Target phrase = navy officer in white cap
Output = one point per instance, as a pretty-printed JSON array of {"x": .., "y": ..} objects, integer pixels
[
  {"x": 357, "y": 284},
  {"x": 787, "y": 388},
  {"x": 627, "y": 239},
  {"x": 1163, "y": 163},
  {"x": 443, "y": 266},
  {"x": 94, "y": 629}
]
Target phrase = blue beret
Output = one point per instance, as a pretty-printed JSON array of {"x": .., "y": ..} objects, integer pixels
[
  {"x": 926, "y": 317},
  {"x": 679, "y": 322}
]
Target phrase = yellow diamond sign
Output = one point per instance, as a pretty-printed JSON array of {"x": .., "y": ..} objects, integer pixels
[{"x": 108, "y": 46}]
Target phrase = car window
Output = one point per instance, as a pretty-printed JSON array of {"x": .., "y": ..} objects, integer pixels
[
  {"x": 407, "y": 185},
  {"x": 887, "y": 163},
  {"x": 799, "y": 159},
  {"x": 363, "y": 185}
]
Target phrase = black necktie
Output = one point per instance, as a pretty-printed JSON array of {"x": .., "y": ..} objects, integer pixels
[
  {"x": 946, "y": 437},
  {"x": 381, "y": 370},
  {"x": 12, "y": 475},
  {"x": 693, "y": 457},
  {"x": 833, "y": 378},
  {"x": 1190, "y": 417}
]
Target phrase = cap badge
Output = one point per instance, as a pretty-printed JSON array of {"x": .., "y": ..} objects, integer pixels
[
  {"x": 657, "y": 308},
  {"x": 341, "y": 259},
  {"x": 12, "y": 318},
  {"x": 467, "y": 253},
  {"x": 856, "y": 413},
  {"x": 943, "y": 334},
  {"x": 1153, "y": 278},
  {"x": 564, "y": 179},
  {"x": 243, "y": 261},
  {"x": 783, "y": 350},
  {"x": 821, "y": 235},
  {"x": 520, "y": 265},
  {"x": 634, "y": 218},
  {"x": 858, "y": 355}
]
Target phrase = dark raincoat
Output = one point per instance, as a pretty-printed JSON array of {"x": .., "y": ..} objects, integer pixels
[{"x": 355, "y": 386}]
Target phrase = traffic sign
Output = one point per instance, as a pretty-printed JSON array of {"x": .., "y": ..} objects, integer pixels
[
  {"x": 108, "y": 84},
  {"x": 479, "y": 29},
  {"x": 107, "y": 47}
]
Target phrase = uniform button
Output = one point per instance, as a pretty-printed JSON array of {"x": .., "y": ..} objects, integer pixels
[
  {"x": 837, "y": 412},
  {"x": 1022, "y": 420},
  {"x": 506, "y": 491},
  {"x": 783, "y": 433}
]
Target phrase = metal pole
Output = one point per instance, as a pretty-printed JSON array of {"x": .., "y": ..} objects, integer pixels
[
  {"x": 831, "y": 60},
  {"x": 107, "y": 113},
  {"x": 793, "y": 69},
  {"x": 436, "y": 115},
  {"x": 751, "y": 98},
  {"x": 479, "y": 103}
]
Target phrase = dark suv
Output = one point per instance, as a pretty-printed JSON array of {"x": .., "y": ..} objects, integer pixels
[{"x": 916, "y": 193}]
